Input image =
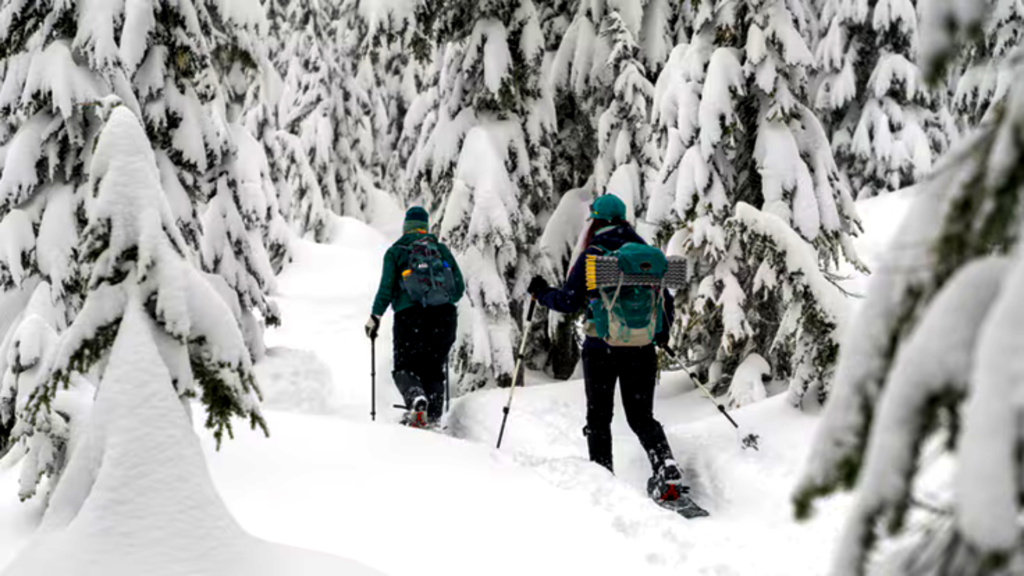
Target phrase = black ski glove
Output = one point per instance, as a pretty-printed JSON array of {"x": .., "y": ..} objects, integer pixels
[
  {"x": 538, "y": 287},
  {"x": 661, "y": 339},
  {"x": 372, "y": 326}
]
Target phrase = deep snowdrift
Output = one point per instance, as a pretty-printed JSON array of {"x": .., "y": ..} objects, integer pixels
[{"x": 137, "y": 498}]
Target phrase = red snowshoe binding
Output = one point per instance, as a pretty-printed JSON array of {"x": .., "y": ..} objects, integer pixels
[
  {"x": 666, "y": 488},
  {"x": 417, "y": 417}
]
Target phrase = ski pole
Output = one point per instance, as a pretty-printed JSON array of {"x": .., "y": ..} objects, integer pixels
[
  {"x": 748, "y": 441},
  {"x": 519, "y": 362},
  {"x": 373, "y": 378}
]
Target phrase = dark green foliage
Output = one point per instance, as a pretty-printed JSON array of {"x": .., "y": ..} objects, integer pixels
[
  {"x": 87, "y": 355},
  {"x": 222, "y": 405},
  {"x": 573, "y": 156}
]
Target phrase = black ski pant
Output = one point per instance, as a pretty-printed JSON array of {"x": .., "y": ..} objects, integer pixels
[
  {"x": 423, "y": 337},
  {"x": 636, "y": 371}
]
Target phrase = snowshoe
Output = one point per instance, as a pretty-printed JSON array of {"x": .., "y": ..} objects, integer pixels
[
  {"x": 667, "y": 490},
  {"x": 417, "y": 417}
]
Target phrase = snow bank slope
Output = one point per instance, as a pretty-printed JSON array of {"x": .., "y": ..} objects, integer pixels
[
  {"x": 412, "y": 502},
  {"x": 136, "y": 497}
]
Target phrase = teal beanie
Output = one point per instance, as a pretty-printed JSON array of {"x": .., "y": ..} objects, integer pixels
[{"x": 416, "y": 218}]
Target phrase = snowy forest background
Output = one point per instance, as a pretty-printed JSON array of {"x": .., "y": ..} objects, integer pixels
[{"x": 738, "y": 132}]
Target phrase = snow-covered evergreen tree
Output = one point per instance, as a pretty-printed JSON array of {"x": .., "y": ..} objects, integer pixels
[
  {"x": 931, "y": 370},
  {"x": 485, "y": 161},
  {"x": 48, "y": 102},
  {"x": 133, "y": 251},
  {"x": 188, "y": 62},
  {"x": 309, "y": 210},
  {"x": 582, "y": 82},
  {"x": 353, "y": 114},
  {"x": 587, "y": 72},
  {"x": 750, "y": 193},
  {"x": 391, "y": 71},
  {"x": 886, "y": 125},
  {"x": 176, "y": 65},
  {"x": 665, "y": 25},
  {"x": 261, "y": 164},
  {"x": 308, "y": 110},
  {"x": 242, "y": 221},
  {"x": 412, "y": 185},
  {"x": 234, "y": 224},
  {"x": 25, "y": 356},
  {"x": 988, "y": 75},
  {"x": 627, "y": 164}
]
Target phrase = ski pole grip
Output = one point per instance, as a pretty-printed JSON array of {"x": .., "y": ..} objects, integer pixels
[{"x": 532, "y": 309}]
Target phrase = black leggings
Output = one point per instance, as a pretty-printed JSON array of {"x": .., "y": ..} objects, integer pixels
[
  {"x": 423, "y": 337},
  {"x": 636, "y": 369}
]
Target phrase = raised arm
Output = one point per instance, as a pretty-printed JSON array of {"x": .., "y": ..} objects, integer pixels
[{"x": 573, "y": 295}]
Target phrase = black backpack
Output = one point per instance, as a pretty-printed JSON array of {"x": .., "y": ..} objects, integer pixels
[{"x": 429, "y": 279}]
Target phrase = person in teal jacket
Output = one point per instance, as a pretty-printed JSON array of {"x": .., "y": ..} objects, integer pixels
[{"x": 425, "y": 322}]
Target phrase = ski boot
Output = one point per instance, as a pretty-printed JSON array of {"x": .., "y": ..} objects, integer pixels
[{"x": 666, "y": 488}]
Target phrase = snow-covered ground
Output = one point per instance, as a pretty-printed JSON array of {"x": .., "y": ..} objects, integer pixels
[{"x": 405, "y": 501}]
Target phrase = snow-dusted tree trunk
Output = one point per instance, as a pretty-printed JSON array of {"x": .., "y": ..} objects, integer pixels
[{"x": 931, "y": 370}]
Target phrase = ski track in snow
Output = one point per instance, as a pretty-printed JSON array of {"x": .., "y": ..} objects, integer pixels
[{"x": 412, "y": 502}]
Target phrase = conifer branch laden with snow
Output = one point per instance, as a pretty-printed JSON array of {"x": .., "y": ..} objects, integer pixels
[
  {"x": 934, "y": 360},
  {"x": 987, "y": 58}
]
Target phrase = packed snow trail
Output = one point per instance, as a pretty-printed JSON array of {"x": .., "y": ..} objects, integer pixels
[{"x": 376, "y": 473}]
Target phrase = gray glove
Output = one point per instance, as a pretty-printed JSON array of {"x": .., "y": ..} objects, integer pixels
[{"x": 372, "y": 327}]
